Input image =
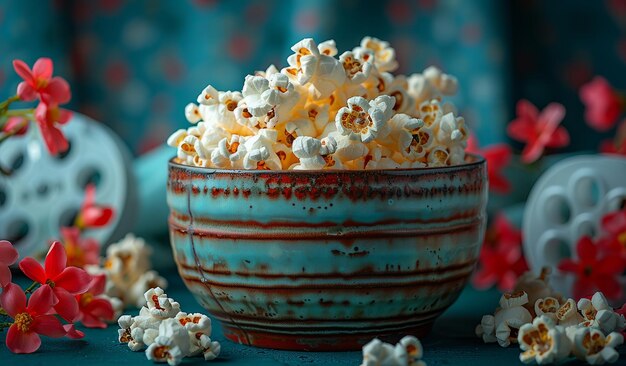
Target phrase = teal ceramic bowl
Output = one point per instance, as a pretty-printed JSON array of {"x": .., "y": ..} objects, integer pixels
[{"x": 326, "y": 260}]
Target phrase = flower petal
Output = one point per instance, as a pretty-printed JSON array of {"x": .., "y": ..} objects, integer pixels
[
  {"x": 26, "y": 92},
  {"x": 72, "y": 332},
  {"x": 56, "y": 260},
  {"x": 8, "y": 253},
  {"x": 59, "y": 90},
  {"x": 568, "y": 265},
  {"x": 585, "y": 248},
  {"x": 74, "y": 280},
  {"x": 49, "y": 326},
  {"x": 42, "y": 69},
  {"x": 96, "y": 216},
  {"x": 98, "y": 284},
  {"x": 19, "y": 342},
  {"x": 521, "y": 129},
  {"x": 42, "y": 300},
  {"x": 5, "y": 275},
  {"x": 551, "y": 117},
  {"x": 67, "y": 307},
  {"x": 22, "y": 70},
  {"x": 13, "y": 299},
  {"x": 526, "y": 109},
  {"x": 33, "y": 270},
  {"x": 102, "y": 308},
  {"x": 91, "y": 321}
]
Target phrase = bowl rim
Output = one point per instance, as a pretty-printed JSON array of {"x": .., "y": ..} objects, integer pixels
[{"x": 477, "y": 160}]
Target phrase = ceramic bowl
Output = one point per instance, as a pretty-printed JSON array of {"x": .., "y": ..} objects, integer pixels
[{"x": 326, "y": 260}]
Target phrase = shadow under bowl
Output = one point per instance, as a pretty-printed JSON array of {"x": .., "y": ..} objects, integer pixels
[{"x": 326, "y": 260}]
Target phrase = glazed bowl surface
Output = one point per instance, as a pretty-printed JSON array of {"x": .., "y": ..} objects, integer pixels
[{"x": 326, "y": 260}]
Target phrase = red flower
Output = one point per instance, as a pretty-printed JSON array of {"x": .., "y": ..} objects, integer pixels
[
  {"x": 80, "y": 251},
  {"x": 8, "y": 256},
  {"x": 498, "y": 157},
  {"x": 29, "y": 321},
  {"x": 39, "y": 82},
  {"x": 501, "y": 259},
  {"x": 64, "y": 282},
  {"x": 594, "y": 271},
  {"x": 538, "y": 130},
  {"x": 94, "y": 310},
  {"x": 49, "y": 117},
  {"x": 17, "y": 126},
  {"x": 92, "y": 215},
  {"x": 603, "y": 104}
]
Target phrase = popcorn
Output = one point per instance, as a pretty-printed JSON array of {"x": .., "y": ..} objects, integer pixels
[
  {"x": 384, "y": 55},
  {"x": 192, "y": 113},
  {"x": 169, "y": 334},
  {"x": 536, "y": 287},
  {"x": 567, "y": 315},
  {"x": 547, "y": 307},
  {"x": 593, "y": 347},
  {"x": 408, "y": 352},
  {"x": 503, "y": 325},
  {"x": 597, "y": 313},
  {"x": 323, "y": 73},
  {"x": 362, "y": 120},
  {"x": 371, "y": 114},
  {"x": 543, "y": 342},
  {"x": 127, "y": 267}
]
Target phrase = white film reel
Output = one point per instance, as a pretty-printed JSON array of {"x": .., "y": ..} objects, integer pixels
[
  {"x": 566, "y": 202},
  {"x": 44, "y": 193}
]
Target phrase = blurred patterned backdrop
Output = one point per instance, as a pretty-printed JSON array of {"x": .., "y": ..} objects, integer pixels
[{"x": 134, "y": 65}]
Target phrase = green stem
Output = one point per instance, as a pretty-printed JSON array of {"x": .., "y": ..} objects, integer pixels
[
  {"x": 31, "y": 287},
  {"x": 5, "y": 105},
  {"x": 24, "y": 112}
]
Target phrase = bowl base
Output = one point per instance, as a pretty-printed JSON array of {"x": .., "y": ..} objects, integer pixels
[{"x": 319, "y": 341}]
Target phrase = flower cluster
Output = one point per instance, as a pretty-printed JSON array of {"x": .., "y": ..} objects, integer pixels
[
  {"x": 166, "y": 333},
  {"x": 50, "y": 92},
  {"x": 501, "y": 259},
  {"x": 408, "y": 352},
  {"x": 60, "y": 296},
  {"x": 549, "y": 329},
  {"x": 600, "y": 261},
  {"x": 324, "y": 112}
]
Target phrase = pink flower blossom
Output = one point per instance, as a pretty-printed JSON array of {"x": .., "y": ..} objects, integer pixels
[
  {"x": 29, "y": 321},
  {"x": 603, "y": 104},
  {"x": 80, "y": 251},
  {"x": 65, "y": 282},
  {"x": 594, "y": 270},
  {"x": 8, "y": 256},
  {"x": 613, "y": 226},
  {"x": 95, "y": 310},
  {"x": 501, "y": 259},
  {"x": 538, "y": 130},
  {"x": 498, "y": 157},
  {"x": 92, "y": 215},
  {"x": 49, "y": 118},
  {"x": 39, "y": 82}
]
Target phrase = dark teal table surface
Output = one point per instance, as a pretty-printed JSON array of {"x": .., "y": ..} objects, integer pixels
[{"x": 452, "y": 342}]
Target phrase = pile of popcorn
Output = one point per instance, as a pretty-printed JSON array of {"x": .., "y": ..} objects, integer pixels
[
  {"x": 168, "y": 333},
  {"x": 550, "y": 329},
  {"x": 408, "y": 352},
  {"x": 128, "y": 271},
  {"x": 323, "y": 112}
]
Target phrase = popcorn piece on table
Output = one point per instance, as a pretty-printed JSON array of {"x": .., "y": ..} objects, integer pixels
[
  {"x": 503, "y": 326},
  {"x": 597, "y": 313},
  {"x": 543, "y": 342},
  {"x": 408, "y": 352},
  {"x": 536, "y": 287},
  {"x": 169, "y": 334},
  {"x": 592, "y": 346}
]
